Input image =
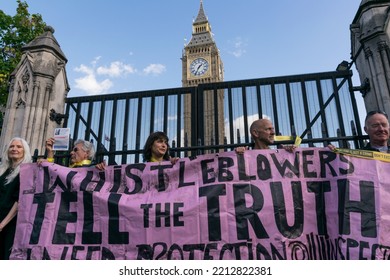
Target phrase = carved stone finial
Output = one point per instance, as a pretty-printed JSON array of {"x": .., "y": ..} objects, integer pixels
[{"x": 48, "y": 28}]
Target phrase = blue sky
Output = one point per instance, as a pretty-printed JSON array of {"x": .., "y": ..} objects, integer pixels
[{"x": 127, "y": 45}]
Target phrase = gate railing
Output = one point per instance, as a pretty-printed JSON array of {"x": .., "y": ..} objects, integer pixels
[{"x": 320, "y": 108}]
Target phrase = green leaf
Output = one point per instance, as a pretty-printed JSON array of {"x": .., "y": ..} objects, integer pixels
[{"x": 15, "y": 32}]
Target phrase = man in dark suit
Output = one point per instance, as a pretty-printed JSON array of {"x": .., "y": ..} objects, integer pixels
[{"x": 376, "y": 126}]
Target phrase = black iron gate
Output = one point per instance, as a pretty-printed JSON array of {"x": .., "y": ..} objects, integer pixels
[{"x": 320, "y": 108}]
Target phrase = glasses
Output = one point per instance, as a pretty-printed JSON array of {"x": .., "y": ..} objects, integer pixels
[{"x": 369, "y": 114}]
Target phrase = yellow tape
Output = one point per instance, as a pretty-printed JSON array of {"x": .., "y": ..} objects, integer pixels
[
  {"x": 364, "y": 154},
  {"x": 297, "y": 140}
]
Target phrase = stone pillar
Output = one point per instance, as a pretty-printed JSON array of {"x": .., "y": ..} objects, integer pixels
[
  {"x": 38, "y": 84},
  {"x": 370, "y": 39}
]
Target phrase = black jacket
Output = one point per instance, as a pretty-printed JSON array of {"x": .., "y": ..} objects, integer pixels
[{"x": 369, "y": 148}]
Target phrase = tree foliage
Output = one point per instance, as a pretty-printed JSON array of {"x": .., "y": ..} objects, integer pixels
[{"x": 15, "y": 32}]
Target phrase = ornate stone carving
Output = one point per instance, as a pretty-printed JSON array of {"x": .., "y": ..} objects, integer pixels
[
  {"x": 20, "y": 103},
  {"x": 12, "y": 85},
  {"x": 382, "y": 46},
  {"x": 23, "y": 90},
  {"x": 367, "y": 52},
  {"x": 26, "y": 79}
]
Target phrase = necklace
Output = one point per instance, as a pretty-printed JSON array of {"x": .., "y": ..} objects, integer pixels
[{"x": 85, "y": 162}]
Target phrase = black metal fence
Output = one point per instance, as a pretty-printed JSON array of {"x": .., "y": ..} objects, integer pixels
[{"x": 320, "y": 108}]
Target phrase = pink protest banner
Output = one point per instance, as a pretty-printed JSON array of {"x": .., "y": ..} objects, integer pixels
[{"x": 265, "y": 204}]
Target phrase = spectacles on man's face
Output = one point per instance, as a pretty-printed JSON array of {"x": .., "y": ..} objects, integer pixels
[{"x": 369, "y": 114}]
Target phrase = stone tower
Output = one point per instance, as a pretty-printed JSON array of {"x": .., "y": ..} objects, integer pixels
[
  {"x": 202, "y": 64},
  {"x": 370, "y": 40},
  {"x": 38, "y": 86}
]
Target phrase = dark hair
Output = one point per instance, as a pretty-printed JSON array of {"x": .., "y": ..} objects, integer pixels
[
  {"x": 149, "y": 143},
  {"x": 369, "y": 114}
]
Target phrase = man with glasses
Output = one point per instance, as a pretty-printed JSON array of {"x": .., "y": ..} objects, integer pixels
[
  {"x": 376, "y": 125},
  {"x": 81, "y": 155}
]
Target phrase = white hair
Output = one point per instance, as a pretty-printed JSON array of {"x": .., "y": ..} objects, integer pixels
[
  {"x": 6, "y": 162},
  {"x": 87, "y": 147}
]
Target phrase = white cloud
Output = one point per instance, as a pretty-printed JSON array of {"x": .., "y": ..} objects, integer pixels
[
  {"x": 116, "y": 69},
  {"x": 89, "y": 84},
  {"x": 172, "y": 118},
  {"x": 96, "y": 60},
  {"x": 238, "y": 53},
  {"x": 238, "y": 46},
  {"x": 84, "y": 69},
  {"x": 154, "y": 69},
  {"x": 238, "y": 124}
]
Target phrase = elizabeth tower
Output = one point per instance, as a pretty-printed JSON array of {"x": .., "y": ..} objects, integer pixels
[{"x": 201, "y": 63}]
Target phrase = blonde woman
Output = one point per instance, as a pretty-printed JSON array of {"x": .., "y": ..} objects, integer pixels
[{"x": 15, "y": 153}]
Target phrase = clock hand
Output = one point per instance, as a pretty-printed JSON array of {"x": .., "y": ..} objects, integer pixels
[{"x": 197, "y": 69}]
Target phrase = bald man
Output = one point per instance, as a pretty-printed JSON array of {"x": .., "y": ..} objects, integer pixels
[{"x": 263, "y": 134}]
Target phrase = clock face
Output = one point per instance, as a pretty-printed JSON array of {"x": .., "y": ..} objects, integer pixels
[{"x": 199, "y": 66}]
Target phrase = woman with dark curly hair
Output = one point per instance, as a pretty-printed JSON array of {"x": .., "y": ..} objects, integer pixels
[{"x": 156, "y": 148}]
